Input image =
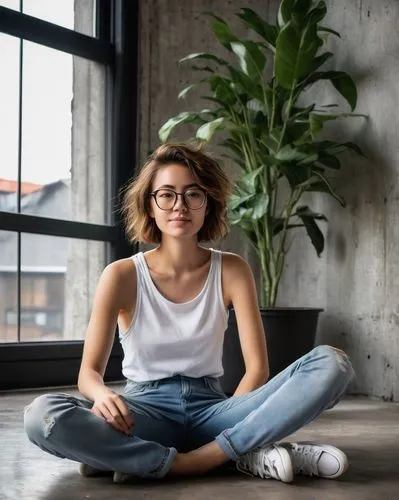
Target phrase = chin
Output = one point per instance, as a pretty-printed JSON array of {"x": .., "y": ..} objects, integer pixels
[{"x": 181, "y": 234}]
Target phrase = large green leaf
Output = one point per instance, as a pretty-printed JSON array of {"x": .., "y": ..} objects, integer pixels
[
  {"x": 208, "y": 69},
  {"x": 243, "y": 83},
  {"x": 236, "y": 200},
  {"x": 329, "y": 161},
  {"x": 317, "y": 121},
  {"x": 314, "y": 233},
  {"x": 241, "y": 216},
  {"x": 295, "y": 52},
  {"x": 222, "y": 89},
  {"x": 206, "y": 131},
  {"x": 204, "y": 55},
  {"x": 300, "y": 12},
  {"x": 290, "y": 154},
  {"x": 249, "y": 179},
  {"x": 320, "y": 60},
  {"x": 346, "y": 87},
  {"x": 298, "y": 133},
  {"x": 260, "y": 205},
  {"x": 334, "y": 148},
  {"x": 301, "y": 7},
  {"x": 223, "y": 32},
  {"x": 329, "y": 189},
  {"x": 320, "y": 187},
  {"x": 270, "y": 143},
  {"x": 309, "y": 182},
  {"x": 341, "y": 81},
  {"x": 295, "y": 174},
  {"x": 284, "y": 12},
  {"x": 185, "y": 91},
  {"x": 267, "y": 31},
  {"x": 328, "y": 30},
  {"x": 251, "y": 58},
  {"x": 184, "y": 117},
  {"x": 318, "y": 13},
  {"x": 223, "y": 104},
  {"x": 298, "y": 113},
  {"x": 305, "y": 211}
]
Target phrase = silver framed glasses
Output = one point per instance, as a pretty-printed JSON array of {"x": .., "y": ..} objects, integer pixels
[{"x": 166, "y": 199}]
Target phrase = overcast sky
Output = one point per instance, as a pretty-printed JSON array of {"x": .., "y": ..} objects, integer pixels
[{"x": 47, "y": 96}]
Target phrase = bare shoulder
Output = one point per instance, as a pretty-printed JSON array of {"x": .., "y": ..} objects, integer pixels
[
  {"x": 120, "y": 276},
  {"x": 122, "y": 267},
  {"x": 234, "y": 265},
  {"x": 120, "y": 271},
  {"x": 236, "y": 276}
]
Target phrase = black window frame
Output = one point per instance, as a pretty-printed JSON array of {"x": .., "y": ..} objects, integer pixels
[{"x": 115, "y": 44}]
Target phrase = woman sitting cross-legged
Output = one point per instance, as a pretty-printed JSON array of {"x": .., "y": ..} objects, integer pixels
[{"x": 171, "y": 306}]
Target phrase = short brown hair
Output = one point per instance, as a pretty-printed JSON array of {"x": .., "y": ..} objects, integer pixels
[{"x": 209, "y": 175}]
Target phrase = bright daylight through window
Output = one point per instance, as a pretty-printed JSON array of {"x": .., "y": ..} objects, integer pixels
[{"x": 53, "y": 128}]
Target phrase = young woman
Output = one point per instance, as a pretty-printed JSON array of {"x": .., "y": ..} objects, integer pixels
[{"x": 171, "y": 307}]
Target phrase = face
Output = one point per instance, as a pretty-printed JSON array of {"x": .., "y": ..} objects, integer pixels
[{"x": 178, "y": 220}]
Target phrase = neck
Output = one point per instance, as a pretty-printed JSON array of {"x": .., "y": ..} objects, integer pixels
[{"x": 180, "y": 256}]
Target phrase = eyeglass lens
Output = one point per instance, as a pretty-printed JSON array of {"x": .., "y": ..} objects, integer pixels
[{"x": 166, "y": 199}]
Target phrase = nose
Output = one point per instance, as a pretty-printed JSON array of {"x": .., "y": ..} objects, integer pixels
[{"x": 179, "y": 204}]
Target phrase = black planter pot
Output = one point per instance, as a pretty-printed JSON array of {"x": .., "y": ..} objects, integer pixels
[{"x": 290, "y": 333}]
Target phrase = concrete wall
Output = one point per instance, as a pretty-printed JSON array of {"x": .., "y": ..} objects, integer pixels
[
  {"x": 170, "y": 30},
  {"x": 356, "y": 280}
]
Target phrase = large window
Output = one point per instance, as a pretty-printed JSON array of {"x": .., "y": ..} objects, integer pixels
[{"x": 68, "y": 104}]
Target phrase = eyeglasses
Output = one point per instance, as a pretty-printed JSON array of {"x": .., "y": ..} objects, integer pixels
[{"x": 166, "y": 199}]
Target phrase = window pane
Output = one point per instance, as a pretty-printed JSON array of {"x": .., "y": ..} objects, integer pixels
[
  {"x": 10, "y": 4},
  {"x": 63, "y": 136},
  {"x": 59, "y": 12},
  {"x": 9, "y": 106},
  {"x": 8, "y": 286},
  {"x": 58, "y": 280}
]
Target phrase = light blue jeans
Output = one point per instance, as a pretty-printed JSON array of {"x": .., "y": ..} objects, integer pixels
[{"x": 178, "y": 414}]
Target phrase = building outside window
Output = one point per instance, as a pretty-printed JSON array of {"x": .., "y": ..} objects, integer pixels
[{"x": 59, "y": 167}]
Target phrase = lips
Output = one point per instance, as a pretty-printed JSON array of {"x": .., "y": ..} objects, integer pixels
[{"x": 179, "y": 220}]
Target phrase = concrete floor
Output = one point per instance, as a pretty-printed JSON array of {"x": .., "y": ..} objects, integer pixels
[{"x": 367, "y": 430}]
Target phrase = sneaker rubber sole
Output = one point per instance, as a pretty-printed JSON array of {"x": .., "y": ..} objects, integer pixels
[{"x": 286, "y": 473}]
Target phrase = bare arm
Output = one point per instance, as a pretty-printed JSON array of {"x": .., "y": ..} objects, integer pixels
[
  {"x": 99, "y": 338},
  {"x": 243, "y": 296}
]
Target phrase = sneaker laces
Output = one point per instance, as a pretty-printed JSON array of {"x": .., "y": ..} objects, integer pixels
[
  {"x": 305, "y": 459},
  {"x": 257, "y": 463}
]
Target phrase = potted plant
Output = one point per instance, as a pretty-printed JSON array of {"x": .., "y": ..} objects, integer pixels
[{"x": 259, "y": 112}]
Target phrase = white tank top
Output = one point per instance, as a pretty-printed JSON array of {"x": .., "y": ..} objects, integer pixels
[{"x": 167, "y": 339}]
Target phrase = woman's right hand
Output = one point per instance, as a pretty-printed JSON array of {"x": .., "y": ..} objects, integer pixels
[{"x": 111, "y": 406}]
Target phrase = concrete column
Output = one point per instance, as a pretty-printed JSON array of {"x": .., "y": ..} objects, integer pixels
[{"x": 85, "y": 258}]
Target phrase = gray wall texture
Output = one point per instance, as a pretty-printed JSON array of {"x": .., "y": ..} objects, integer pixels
[{"x": 356, "y": 280}]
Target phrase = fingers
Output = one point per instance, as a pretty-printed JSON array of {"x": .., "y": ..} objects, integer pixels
[
  {"x": 124, "y": 412},
  {"x": 102, "y": 411},
  {"x": 115, "y": 412}
]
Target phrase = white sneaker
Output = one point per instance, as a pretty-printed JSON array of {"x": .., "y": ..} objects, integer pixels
[
  {"x": 312, "y": 459},
  {"x": 269, "y": 462},
  {"x": 89, "y": 471},
  {"x": 123, "y": 477}
]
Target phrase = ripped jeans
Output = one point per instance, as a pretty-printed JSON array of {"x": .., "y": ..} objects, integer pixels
[{"x": 180, "y": 413}]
